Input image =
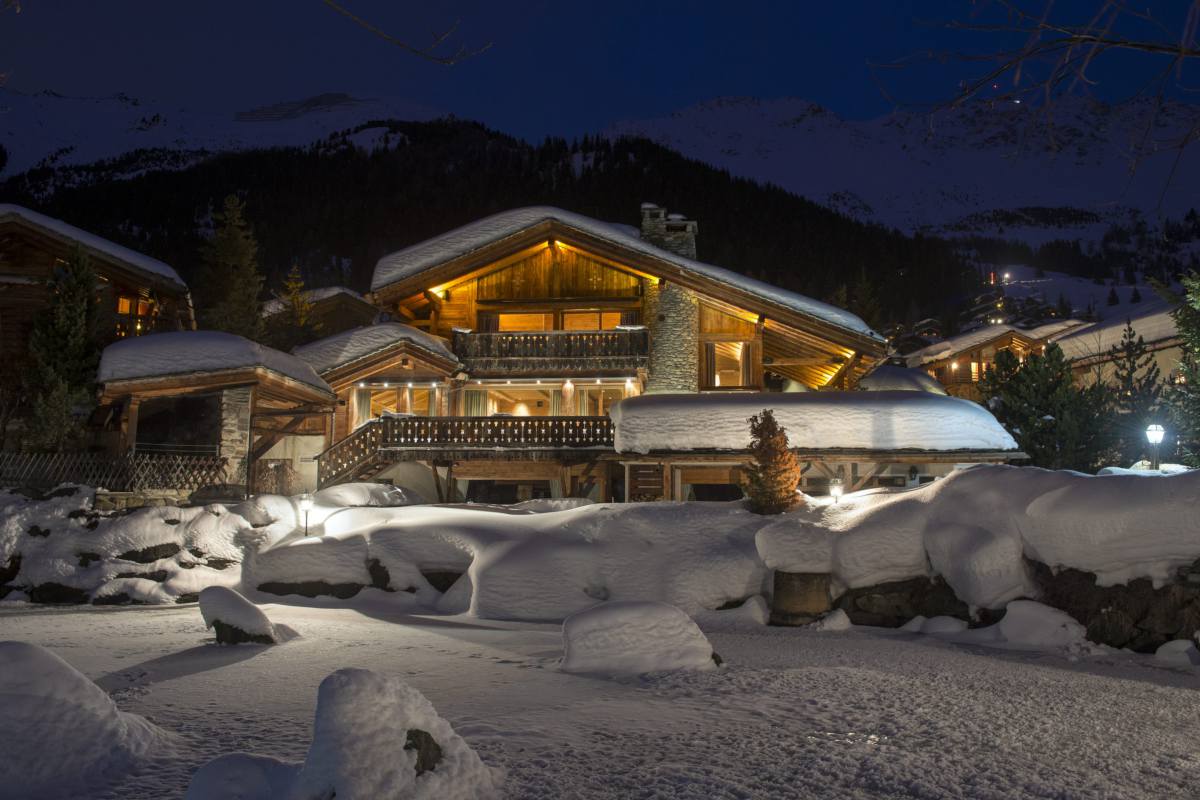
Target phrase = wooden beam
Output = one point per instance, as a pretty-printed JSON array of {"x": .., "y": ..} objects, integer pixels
[
  {"x": 862, "y": 480},
  {"x": 269, "y": 440}
]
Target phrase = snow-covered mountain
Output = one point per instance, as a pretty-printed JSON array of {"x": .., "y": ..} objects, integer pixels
[
  {"x": 989, "y": 168},
  {"x": 49, "y": 129}
]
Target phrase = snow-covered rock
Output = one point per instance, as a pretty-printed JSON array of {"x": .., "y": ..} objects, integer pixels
[
  {"x": 59, "y": 732},
  {"x": 1030, "y": 623},
  {"x": 237, "y": 620},
  {"x": 375, "y": 495},
  {"x": 368, "y": 744},
  {"x": 241, "y": 776},
  {"x": 633, "y": 638},
  {"x": 943, "y": 625},
  {"x": 1178, "y": 653},
  {"x": 836, "y": 620}
]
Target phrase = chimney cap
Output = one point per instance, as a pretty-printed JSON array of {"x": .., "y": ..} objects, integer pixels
[{"x": 649, "y": 206}]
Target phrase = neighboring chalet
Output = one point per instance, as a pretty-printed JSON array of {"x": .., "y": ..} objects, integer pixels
[
  {"x": 520, "y": 341},
  {"x": 1089, "y": 348},
  {"x": 139, "y": 294},
  {"x": 334, "y": 309},
  {"x": 958, "y": 363}
]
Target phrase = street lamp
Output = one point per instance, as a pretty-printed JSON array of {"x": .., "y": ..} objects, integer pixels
[
  {"x": 306, "y": 504},
  {"x": 835, "y": 489},
  {"x": 1154, "y": 435}
]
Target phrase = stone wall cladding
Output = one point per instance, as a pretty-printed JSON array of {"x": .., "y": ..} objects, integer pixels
[
  {"x": 673, "y": 313},
  {"x": 235, "y": 432}
]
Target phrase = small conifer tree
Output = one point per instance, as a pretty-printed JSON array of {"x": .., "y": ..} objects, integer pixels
[
  {"x": 1138, "y": 385},
  {"x": 295, "y": 324},
  {"x": 230, "y": 282},
  {"x": 772, "y": 479},
  {"x": 1184, "y": 394},
  {"x": 1113, "y": 297}
]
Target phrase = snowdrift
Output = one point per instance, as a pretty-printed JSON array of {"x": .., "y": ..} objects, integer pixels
[
  {"x": 633, "y": 638},
  {"x": 374, "y": 738},
  {"x": 59, "y": 550},
  {"x": 59, "y": 731}
]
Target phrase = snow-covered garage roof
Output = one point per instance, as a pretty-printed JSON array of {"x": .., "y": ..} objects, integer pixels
[
  {"x": 349, "y": 346},
  {"x": 414, "y": 260},
  {"x": 278, "y": 304},
  {"x": 895, "y": 420},
  {"x": 162, "y": 355},
  {"x": 90, "y": 241}
]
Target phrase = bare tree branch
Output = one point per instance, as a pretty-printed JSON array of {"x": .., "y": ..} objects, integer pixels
[{"x": 428, "y": 53}]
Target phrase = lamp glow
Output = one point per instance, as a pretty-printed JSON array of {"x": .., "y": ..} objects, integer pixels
[
  {"x": 835, "y": 489},
  {"x": 1154, "y": 435},
  {"x": 305, "y": 504}
]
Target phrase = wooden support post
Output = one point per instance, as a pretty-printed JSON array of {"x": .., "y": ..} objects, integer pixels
[
  {"x": 129, "y": 423},
  {"x": 437, "y": 482},
  {"x": 451, "y": 489}
]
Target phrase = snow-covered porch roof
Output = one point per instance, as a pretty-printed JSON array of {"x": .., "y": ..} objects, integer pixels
[
  {"x": 816, "y": 422},
  {"x": 178, "y": 362},
  {"x": 348, "y": 356}
]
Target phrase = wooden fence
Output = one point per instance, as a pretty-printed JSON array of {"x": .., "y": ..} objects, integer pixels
[{"x": 129, "y": 473}]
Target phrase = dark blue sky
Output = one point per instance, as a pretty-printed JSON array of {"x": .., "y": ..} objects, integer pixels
[{"x": 562, "y": 68}]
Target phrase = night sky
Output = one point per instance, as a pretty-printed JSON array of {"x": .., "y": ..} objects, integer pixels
[{"x": 563, "y": 68}]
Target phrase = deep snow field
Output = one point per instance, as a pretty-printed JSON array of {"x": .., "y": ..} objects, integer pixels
[{"x": 794, "y": 712}]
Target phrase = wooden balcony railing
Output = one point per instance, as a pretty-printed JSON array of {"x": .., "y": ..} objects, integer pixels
[
  {"x": 552, "y": 351},
  {"x": 369, "y": 446}
]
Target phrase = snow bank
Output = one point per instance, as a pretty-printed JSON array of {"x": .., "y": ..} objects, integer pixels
[
  {"x": 220, "y": 604},
  {"x": 364, "y": 745},
  {"x": 892, "y": 420},
  {"x": 350, "y": 495},
  {"x": 194, "y": 352},
  {"x": 1178, "y": 653},
  {"x": 152, "y": 555},
  {"x": 59, "y": 731},
  {"x": 975, "y": 527},
  {"x": 528, "y": 566},
  {"x": 1035, "y": 625},
  {"x": 633, "y": 638},
  {"x": 349, "y": 346},
  {"x": 414, "y": 260}
]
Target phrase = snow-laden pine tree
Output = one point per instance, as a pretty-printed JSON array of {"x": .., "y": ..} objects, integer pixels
[
  {"x": 772, "y": 478},
  {"x": 1138, "y": 385},
  {"x": 1184, "y": 395},
  {"x": 62, "y": 356},
  {"x": 295, "y": 324},
  {"x": 1057, "y": 424},
  {"x": 229, "y": 285}
]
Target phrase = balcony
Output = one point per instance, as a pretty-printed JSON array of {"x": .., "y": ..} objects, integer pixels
[
  {"x": 619, "y": 351},
  {"x": 381, "y": 442}
]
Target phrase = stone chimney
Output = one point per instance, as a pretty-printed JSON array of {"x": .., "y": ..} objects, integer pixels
[{"x": 672, "y": 232}]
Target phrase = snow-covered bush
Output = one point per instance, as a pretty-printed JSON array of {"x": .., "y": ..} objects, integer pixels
[
  {"x": 633, "y": 638},
  {"x": 385, "y": 495},
  {"x": 374, "y": 738},
  {"x": 237, "y": 620},
  {"x": 64, "y": 551},
  {"x": 59, "y": 731}
]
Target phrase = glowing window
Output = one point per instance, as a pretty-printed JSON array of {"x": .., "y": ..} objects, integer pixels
[{"x": 515, "y": 323}]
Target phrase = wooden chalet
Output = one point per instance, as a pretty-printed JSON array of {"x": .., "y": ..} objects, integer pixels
[
  {"x": 958, "y": 363},
  {"x": 334, "y": 309},
  {"x": 138, "y": 294}
]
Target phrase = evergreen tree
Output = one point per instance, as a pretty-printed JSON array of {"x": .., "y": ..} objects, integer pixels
[
  {"x": 1135, "y": 296},
  {"x": 864, "y": 301},
  {"x": 229, "y": 285},
  {"x": 1138, "y": 389},
  {"x": 1057, "y": 424},
  {"x": 1063, "y": 307},
  {"x": 62, "y": 356},
  {"x": 1113, "y": 297},
  {"x": 772, "y": 479},
  {"x": 1184, "y": 395},
  {"x": 294, "y": 325}
]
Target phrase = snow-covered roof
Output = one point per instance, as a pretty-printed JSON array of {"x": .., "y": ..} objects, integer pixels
[
  {"x": 1099, "y": 338},
  {"x": 890, "y": 377},
  {"x": 343, "y": 348},
  {"x": 970, "y": 339},
  {"x": 895, "y": 420},
  {"x": 90, "y": 241},
  {"x": 274, "y": 306},
  {"x": 413, "y": 260},
  {"x": 197, "y": 352}
]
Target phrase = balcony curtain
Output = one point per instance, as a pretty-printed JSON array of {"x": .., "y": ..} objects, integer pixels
[
  {"x": 556, "y": 403},
  {"x": 362, "y": 406},
  {"x": 475, "y": 403}
]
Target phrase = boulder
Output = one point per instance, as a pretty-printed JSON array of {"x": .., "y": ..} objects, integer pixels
[
  {"x": 799, "y": 597},
  {"x": 342, "y": 591},
  {"x": 891, "y": 605},
  {"x": 148, "y": 555},
  {"x": 236, "y": 620}
]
